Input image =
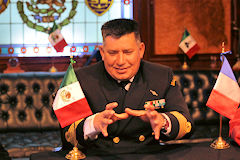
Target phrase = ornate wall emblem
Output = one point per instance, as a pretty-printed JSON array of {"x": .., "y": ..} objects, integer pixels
[
  {"x": 45, "y": 11},
  {"x": 99, "y": 7},
  {"x": 3, "y": 5}
]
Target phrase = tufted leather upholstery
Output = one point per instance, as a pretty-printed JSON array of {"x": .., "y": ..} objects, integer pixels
[
  {"x": 28, "y": 123},
  {"x": 196, "y": 87}
]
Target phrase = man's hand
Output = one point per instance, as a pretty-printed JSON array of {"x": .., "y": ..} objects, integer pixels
[
  {"x": 107, "y": 117},
  {"x": 149, "y": 115}
]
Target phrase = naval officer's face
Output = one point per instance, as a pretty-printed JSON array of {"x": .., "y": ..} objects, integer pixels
[{"x": 122, "y": 56}]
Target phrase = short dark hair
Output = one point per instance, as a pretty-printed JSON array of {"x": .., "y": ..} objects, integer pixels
[{"x": 120, "y": 27}]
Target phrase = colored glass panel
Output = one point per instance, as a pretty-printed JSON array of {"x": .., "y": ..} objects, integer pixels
[{"x": 82, "y": 30}]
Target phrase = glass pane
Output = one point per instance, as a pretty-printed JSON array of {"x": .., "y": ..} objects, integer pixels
[
  {"x": 5, "y": 34},
  {"x": 17, "y": 33},
  {"x": 25, "y": 25}
]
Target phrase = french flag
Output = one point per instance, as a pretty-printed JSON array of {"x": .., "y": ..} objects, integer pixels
[{"x": 225, "y": 96}]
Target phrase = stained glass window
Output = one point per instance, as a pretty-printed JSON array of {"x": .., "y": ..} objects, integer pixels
[{"x": 25, "y": 25}]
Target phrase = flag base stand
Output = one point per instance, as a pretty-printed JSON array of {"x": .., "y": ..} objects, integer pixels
[
  {"x": 53, "y": 69},
  {"x": 220, "y": 143},
  {"x": 75, "y": 154},
  {"x": 185, "y": 66}
]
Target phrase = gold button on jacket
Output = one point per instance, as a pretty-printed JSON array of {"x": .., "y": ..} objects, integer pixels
[
  {"x": 141, "y": 138},
  {"x": 116, "y": 139}
]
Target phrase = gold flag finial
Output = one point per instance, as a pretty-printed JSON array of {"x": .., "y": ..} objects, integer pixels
[
  {"x": 223, "y": 49},
  {"x": 71, "y": 59}
]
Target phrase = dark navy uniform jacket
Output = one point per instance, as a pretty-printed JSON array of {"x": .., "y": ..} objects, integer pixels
[{"x": 153, "y": 82}]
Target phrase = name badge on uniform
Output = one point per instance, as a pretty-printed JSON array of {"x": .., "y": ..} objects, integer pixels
[{"x": 157, "y": 103}]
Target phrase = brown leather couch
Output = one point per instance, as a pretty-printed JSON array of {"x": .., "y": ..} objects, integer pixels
[
  {"x": 27, "y": 121},
  {"x": 29, "y": 125}
]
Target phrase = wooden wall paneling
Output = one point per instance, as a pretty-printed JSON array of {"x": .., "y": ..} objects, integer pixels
[
  {"x": 144, "y": 14},
  {"x": 236, "y": 31}
]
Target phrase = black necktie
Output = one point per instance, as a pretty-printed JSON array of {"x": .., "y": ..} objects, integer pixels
[
  {"x": 124, "y": 83},
  {"x": 122, "y": 94}
]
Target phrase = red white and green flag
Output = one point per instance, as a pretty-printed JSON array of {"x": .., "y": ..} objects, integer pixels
[
  {"x": 188, "y": 44},
  {"x": 56, "y": 38},
  {"x": 70, "y": 103}
]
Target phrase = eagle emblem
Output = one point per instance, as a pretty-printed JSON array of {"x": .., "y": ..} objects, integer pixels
[{"x": 65, "y": 95}]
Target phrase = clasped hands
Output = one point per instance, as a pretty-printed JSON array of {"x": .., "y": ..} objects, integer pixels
[{"x": 108, "y": 116}]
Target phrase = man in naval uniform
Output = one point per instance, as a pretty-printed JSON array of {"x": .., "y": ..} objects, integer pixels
[{"x": 136, "y": 104}]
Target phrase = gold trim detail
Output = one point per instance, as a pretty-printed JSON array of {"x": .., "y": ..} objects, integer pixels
[
  {"x": 70, "y": 135},
  {"x": 184, "y": 126}
]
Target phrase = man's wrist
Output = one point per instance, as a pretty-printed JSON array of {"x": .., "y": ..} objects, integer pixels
[
  {"x": 89, "y": 129},
  {"x": 165, "y": 124}
]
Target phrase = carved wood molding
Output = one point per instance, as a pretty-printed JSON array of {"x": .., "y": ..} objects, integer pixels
[{"x": 31, "y": 64}]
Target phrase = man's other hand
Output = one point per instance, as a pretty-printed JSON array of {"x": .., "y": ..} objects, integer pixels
[
  {"x": 107, "y": 117},
  {"x": 149, "y": 115}
]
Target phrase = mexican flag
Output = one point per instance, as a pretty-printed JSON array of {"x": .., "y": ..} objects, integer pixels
[
  {"x": 70, "y": 103},
  {"x": 188, "y": 44},
  {"x": 56, "y": 38}
]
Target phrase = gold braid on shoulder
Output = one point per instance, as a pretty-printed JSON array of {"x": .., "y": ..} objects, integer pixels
[{"x": 70, "y": 135}]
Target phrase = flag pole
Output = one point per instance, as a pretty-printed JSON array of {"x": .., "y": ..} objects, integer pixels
[
  {"x": 75, "y": 154},
  {"x": 220, "y": 143},
  {"x": 185, "y": 65}
]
